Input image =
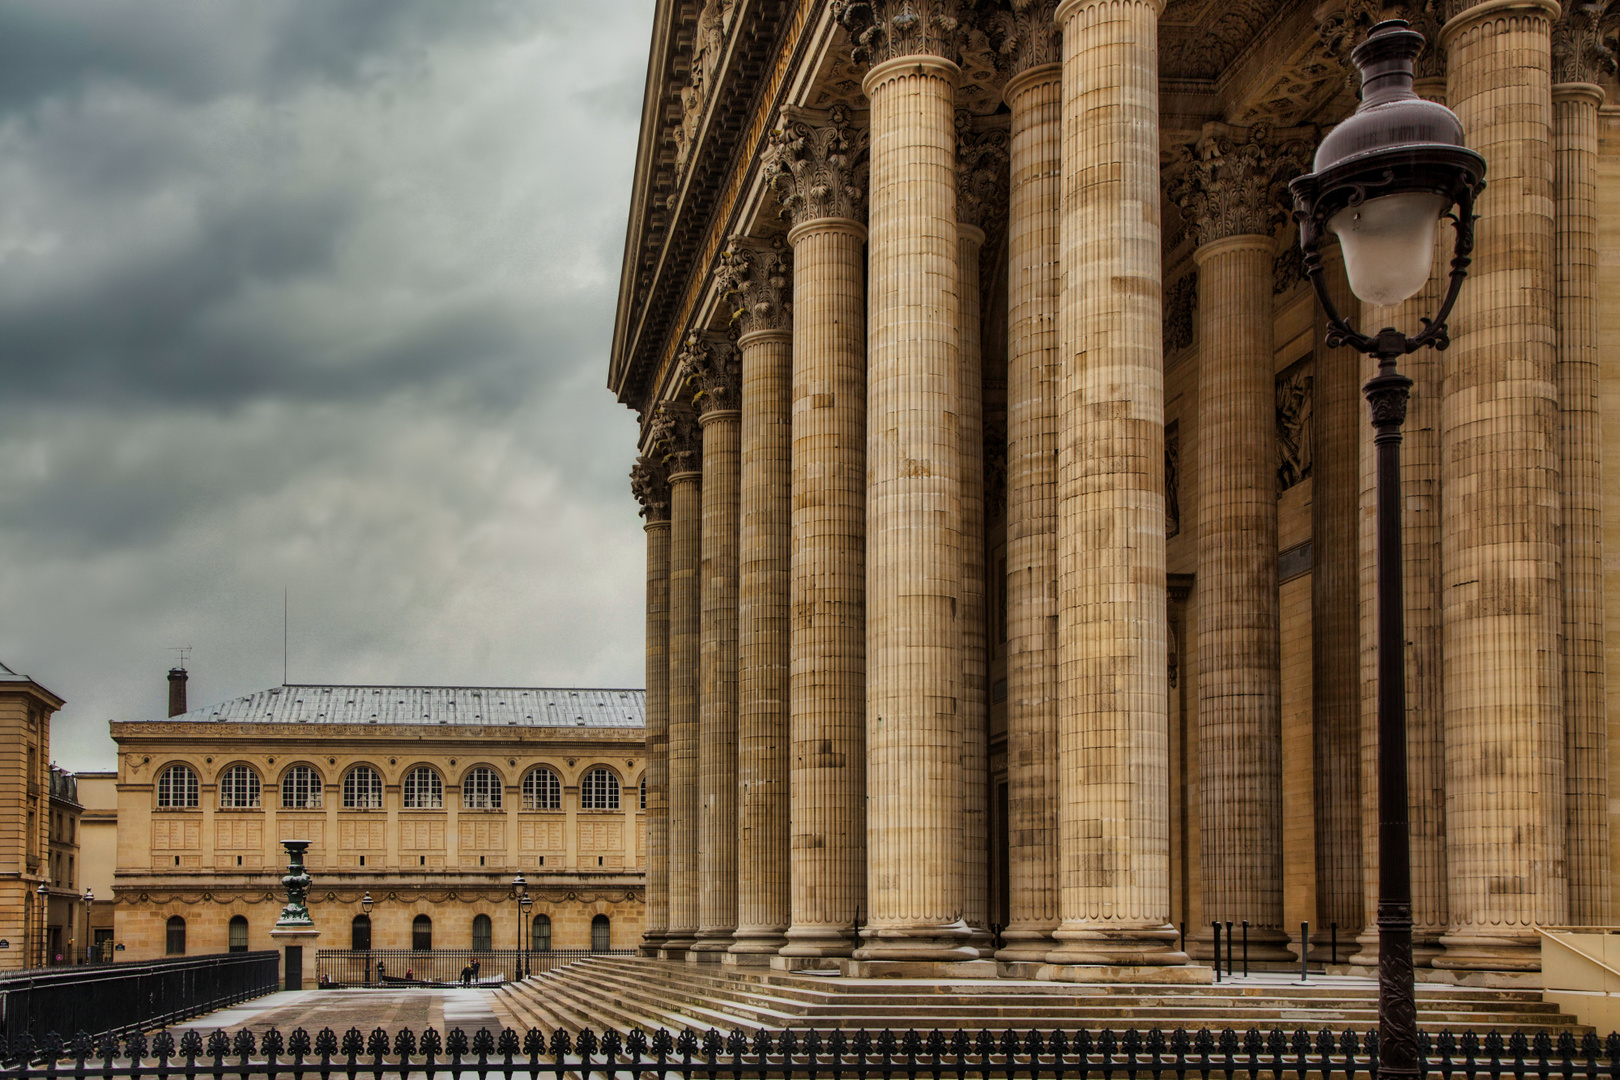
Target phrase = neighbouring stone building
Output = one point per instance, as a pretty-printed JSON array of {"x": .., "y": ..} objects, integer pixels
[
  {"x": 1009, "y": 523},
  {"x": 430, "y": 799},
  {"x": 26, "y": 708},
  {"x": 98, "y": 855}
]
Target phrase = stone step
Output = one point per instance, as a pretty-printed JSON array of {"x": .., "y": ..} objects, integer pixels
[{"x": 649, "y": 1011}]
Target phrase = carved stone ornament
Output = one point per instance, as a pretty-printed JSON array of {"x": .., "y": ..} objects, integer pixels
[
  {"x": 1342, "y": 29},
  {"x": 995, "y": 467},
  {"x": 1579, "y": 52},
  {"x": 882, "y": 30},
  {"x": 709, "y": 45},
  {"x": 676, "y": 436},
  {"x": 1180, "y": 302},
  {"x": 1024, "y": 34},
  {"x": 1172, "y": 478},
  {"x": 1287, "y": 269},
  {"x": 649, "y": 483},
  {"x": 812, "y": 165},
  {"x": 983, "y": 154},
  {"x": 755, "y": 278},
  {"x": 1234, "y": 181},
  {"x": 711, "y": 366},
  {"x": 1295, "y": 424}
]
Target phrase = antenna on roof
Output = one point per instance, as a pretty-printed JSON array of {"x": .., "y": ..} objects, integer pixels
[
  {"x": 284, "y": 635},
  {"x": 183, "y": 652}
]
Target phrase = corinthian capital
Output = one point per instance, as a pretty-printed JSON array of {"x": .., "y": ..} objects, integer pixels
[
  {"x": 1234, "y": 180},
  {"x": 882, "y": 30},
  {"x": 676, "y": 438},
  {"x": 1579, "y": 52},
  {"x": 649, "y": 483},
  {"x": 811, "y": 163},
  {"x": 754, "y": 277},
  {"x": 982, "y": 155},
  {"x": 1024, "y": 34},
  {"x": 712, "y": 368}
]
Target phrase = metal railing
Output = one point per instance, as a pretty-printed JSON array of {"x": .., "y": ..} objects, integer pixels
[
  {"x": 785, "y": 1054},
  {"x": 441, "y": 967},
  {"x": 117, "y": 998}
]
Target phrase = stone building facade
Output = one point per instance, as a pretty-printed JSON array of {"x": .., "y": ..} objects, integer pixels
[
  {"x": 431, "y": 799},
  {"x": 1009, "y": 521},
  {"x": 26, "y": 709}
]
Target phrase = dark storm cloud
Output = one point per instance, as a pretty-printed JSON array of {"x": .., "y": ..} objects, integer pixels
[{"x": 313, "y": 294}]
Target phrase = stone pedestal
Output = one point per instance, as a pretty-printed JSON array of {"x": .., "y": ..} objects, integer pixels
[{"x": 303, "y": 940}]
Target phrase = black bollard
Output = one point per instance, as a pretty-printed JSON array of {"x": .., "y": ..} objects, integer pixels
[
  {"x": 1229, "y": 937},
  {"x": 1335, "y": 931},
  {"x": 1304, "y": 949},
  {"x": 1245, "y": 948},
  {"x": 1217, "y": 927}
]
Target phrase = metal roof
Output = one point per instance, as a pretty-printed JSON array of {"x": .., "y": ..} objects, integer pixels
[{"x": 482, "y": 706}]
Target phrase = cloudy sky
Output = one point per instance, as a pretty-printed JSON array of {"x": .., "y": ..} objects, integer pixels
[{"x": 314, "y": 295}]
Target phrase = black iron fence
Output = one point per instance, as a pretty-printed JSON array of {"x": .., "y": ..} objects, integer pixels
[
  {"x": 441, "y": 967},
  {"x": 123, "y": 997},
  {"x": 1326, "y": 1054}
]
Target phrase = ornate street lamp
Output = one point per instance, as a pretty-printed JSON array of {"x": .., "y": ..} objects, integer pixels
[
  {"x": 89, "y": 899},
  {"x": 1384, "y": 178},
  {"x": 520, "y": 891},
  {"x": 365, "y": 909},
  {"x": 44, "y": 894}
]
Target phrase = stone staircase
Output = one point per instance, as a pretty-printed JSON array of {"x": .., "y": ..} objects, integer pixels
[{"x": 629, "y": 992}]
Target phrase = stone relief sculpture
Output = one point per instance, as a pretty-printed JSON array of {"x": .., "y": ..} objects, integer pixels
[
  {"x": 1294, "y": 424},
  {"x": 1172, "y": 478}
]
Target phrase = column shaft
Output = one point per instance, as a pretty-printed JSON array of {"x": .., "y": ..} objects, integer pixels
[
  {"x": 1575, "y": 148},
  {"x": 686, "y": 538},
  {"x": 828, "y": 588},
  {"x": 717, "y": 750},
  {"x": 1499, "y": 443},
  {"x": 1112, "y": 680},
  {"x": 975, "y": 640},
  {"x": 1036, "y": 100},
  {"x": 1338, "y": 416},
  {"x": 1239, "y": 680},
  {"x": 762, "y": 645},
  {"x": 657, "y": 733},
  {"x": 914, "y": 719}
]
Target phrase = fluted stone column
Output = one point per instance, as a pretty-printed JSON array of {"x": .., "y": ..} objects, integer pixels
[
  {"x": 1230, "y": 195},
  {"x": 1034, "y": 93},
  {"x": 916, "y": 806},
  {"x": 712, "y": 371},
  {"x": 650, "y": 484},
  {"x": 1339, "y": 417},
  {"x": 675, "y": 432},
  {"x": 1113, "y": 738},
  {"x": 1578, "y": 56},
  {"x": 755, "y": 276},
  {"x": 981, "y": 170},
  {"x": 812, "y": 167},
  {"x": 1505, "y": 768}
]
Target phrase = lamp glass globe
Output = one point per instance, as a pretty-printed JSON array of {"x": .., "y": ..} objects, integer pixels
[{"x": 1388, "y": 244}]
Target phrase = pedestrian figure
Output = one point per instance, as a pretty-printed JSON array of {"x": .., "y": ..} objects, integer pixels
[{"x": 466, "y": 975}]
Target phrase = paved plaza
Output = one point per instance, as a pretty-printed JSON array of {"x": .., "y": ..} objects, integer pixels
[{"x": 391, "y": 1010}]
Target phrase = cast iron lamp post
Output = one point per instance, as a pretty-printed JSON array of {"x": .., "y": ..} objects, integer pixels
[
  {"x": 366, "y": 904},
  {"x": 44, "y": 894},
  {"x": 1384, "y": 178},
  {"x": 89, "y": 900},
  {"x": 520, "y": 893}
]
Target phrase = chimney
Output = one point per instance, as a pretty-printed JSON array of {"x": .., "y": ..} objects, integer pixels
[{"x": 177, "y": 691}]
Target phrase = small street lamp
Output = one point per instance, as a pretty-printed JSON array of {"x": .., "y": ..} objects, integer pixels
[
  {"x": 365, "y": 909},
  {"x": 520, "y": 891},
  {"x": 44, "y": 894},
  {"x": 89, "y": 938},
  {"x": 1384, "y": 178}
]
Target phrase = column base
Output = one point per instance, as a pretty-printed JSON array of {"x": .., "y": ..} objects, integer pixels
[
  {"x": 1027, "y": 944},
  {"x": 1123, "y": 946},
  {"x": 650, "y": 943},
  {"x": 1504, "y": 951},
  {"x": 709, "y": 947},
  {"x": 747, "y": 960},
  {"x": 674, "y": 945},
  {"x": 748, "y": 944},
  {"x": 983, "y": 942},
  {"x": 818, "y": 964},
  {"x": 927, "y": 943},
  {"x": 818, "y": 941},
  {"x": 918, "y": 969},
  {"x": 1185, "y": 974}
]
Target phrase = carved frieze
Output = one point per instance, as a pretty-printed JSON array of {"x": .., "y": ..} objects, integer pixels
[
  {"x": 649, "y": 483},
  {"x": 1344, "y": 28},
  {"x": 711, "y": 366},
  {"x": 1023, "y": 34},
  {"x": 1288, "y": 268},
  {"x": 1234, "y": 180},
  {"x": 675, "y": 434},
  {"x": 1180, "y": 303},
  {"x": 995, "y": 467},
  {"x": 714, "y": 24},
  {"x": 814, "y": 165},
  {"x": 1172, "y": 478},
  {"x": 882, "y": 30},
  {"x": 982, "y": 157},
  {"x": 1295, "y": 431},
  {"x": 1579, "y": 52},
  {"x": 754, "y": 277}
]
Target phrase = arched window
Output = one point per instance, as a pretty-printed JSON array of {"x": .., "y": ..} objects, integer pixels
[
  {"x": 421, "y": 933},
  {"x": 301, "y": 789},
  {"x": 481, "y": 789},
  {"x": 174, "y": 936},
  {"x": 360, "y": 932},
  {"x": 483, "y": 934},
  {"x": 599, "y": 790},
  {"x": 423, "y": 790},
  {"x": 239, "y": 788},
  {"x": 601, "y": 934},
  {"x": 542, "y": 790},
  {"x": 238, "y": 934},
  {"x": 177, "y": 788},
  {"x": 644, "y": 792},
  {"x": 362, "y": 789},
  {"x": 540, "y": 934}
]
